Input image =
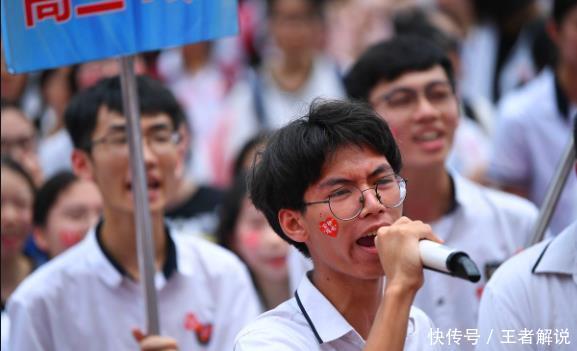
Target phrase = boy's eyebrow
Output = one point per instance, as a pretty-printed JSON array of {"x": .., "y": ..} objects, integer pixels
[
  {"x": 384, "y": 168},
  {"x": 121, "y": 127},
  {"x": 403, "y": 88},
  {"x": 117, "y": 128}
]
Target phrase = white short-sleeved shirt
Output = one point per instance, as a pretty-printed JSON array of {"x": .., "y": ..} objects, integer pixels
[
  {"x": 82, "y": 301},
  {"x": 309, "y": 321},
  {"x": 531, "y": 296},
  {"x": 533, "y": 130},
  {"x": 490, "y": 226}
]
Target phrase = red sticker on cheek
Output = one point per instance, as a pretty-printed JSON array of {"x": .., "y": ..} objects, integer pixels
[
  {"x": 329, "y": 227},
  {"x": 69, "y": 237},
  {"x": 252, "y": 239}
]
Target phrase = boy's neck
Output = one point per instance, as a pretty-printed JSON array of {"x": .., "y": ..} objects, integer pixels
[
  {"x": 118, "y": 235},
  {"x": 273, "y": 293},
  {"x": 14, "y": 270},
  {"x": 429, "y": 194},
  {"x": 357, "y": 300}
]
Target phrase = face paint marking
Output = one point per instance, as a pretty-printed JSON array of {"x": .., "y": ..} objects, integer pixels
[
  {"x": 70, "y": 237},
  {"x": 252, "y": 239},
  {"x": 329, "y": 227}
]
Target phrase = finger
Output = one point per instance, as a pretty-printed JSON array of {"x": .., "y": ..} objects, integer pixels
[
  {"x": 433, "y": 237},
  {"x": 158, "y": 343}
]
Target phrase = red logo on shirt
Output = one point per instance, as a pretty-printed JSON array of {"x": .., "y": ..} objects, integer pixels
[{"x": 202, "y": 331}]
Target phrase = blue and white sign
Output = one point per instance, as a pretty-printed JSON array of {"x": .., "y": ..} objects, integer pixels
[{"x": 39, "y": 34}]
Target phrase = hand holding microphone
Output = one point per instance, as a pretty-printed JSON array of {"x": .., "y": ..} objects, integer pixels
[{"x": 407, "y": 246}]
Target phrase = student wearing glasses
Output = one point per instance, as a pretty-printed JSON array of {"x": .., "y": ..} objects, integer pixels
[
  {"x": 328, "y": 183},
  {"x": 409, "y": 82},
  {"x": 89, "y": 297}
]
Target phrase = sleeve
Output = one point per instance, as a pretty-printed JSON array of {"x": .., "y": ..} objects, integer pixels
[
  {"x": 240, "y": 305},
  {"x": 28, "y": 327}
]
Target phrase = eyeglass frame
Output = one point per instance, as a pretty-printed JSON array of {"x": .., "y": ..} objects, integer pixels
[
  {"x": 175, "y": 138},
  {"x": 386, "y": 98},
  {"x": 401, "y": 183}
]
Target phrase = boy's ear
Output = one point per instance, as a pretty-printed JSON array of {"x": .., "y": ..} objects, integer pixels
[
  {"x": 82, "y": 164},
  {"x": 292, "y": 224}
]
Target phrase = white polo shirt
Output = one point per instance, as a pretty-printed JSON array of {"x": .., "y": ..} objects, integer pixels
[
  {"x": 533, "y": 130},
  {"x": 82, "y": 301},
  {"x": 490, "y": 226},
  {"x": 309, "y": 321},
  {"x": 533, "y": 296}
]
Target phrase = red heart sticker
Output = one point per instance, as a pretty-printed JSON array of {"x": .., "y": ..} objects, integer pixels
[
  {"x": 203, "y": 332},
  {"x": 329, "y": 227}
]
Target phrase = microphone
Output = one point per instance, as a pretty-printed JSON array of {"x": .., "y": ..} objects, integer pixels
[{"x": 446, "y": 260}]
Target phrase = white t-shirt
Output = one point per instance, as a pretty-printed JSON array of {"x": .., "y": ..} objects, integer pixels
[
  {"x": 530, "y": 138},
  {"x": 531, "y": 301},
  {"x": 490, "y": 226},
  {"x": 309, "y": 321},
  {"x": 82, "y": 301},
  {"x": 55, "y": 153}
]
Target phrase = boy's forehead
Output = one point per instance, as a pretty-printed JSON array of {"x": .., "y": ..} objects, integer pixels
[
  {"x": 353, "y": 160},
  {"x": 107, "y": 118}
]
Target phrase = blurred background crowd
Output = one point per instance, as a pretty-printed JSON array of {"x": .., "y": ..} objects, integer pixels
[{"x": 236, "y": 90}]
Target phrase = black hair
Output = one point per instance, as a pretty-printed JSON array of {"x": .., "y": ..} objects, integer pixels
[
  {"x": 388, "y": 60},
  {"x": 13, "y": 165},
  {"x": 70, "y": 81},
  {"x": 295, "y": 155},
  {"x": 499, "y": 10},
  {"x": 49, "y": 193},
  {"x": 82, "y": 112},
  {"x": 253, "y": 144},
  {"x": 561, "y": 9},
  {"x": 414, "y": 21},
  {"x": 6, "y": 104},
  {"x": 316, "y": 7},
  {"x": 230, "y": 210}
]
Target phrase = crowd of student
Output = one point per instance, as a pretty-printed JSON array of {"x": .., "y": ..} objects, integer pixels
[{"x": 443, "y": 120}]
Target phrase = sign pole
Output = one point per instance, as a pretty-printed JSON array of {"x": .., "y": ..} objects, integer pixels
[{"x": 144, "y": 238}]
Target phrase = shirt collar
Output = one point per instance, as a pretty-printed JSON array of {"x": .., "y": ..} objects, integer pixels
[
  {"x": 317, "y": 310},
  {"x": 114, "y": 272},
  {"x": 558, "y": 257}
]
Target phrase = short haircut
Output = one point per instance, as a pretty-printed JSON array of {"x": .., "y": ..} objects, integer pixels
[
  {"x": 388, "y": 60},
  {"x": 295, "y": 155},
  {"x": 415, "y": 21},
  {"x": 14, "y": 166},
  {"x": 49, "y": 193},
  {"x": 82, "y": 112},
  {"x": 561, "y": 9}
]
